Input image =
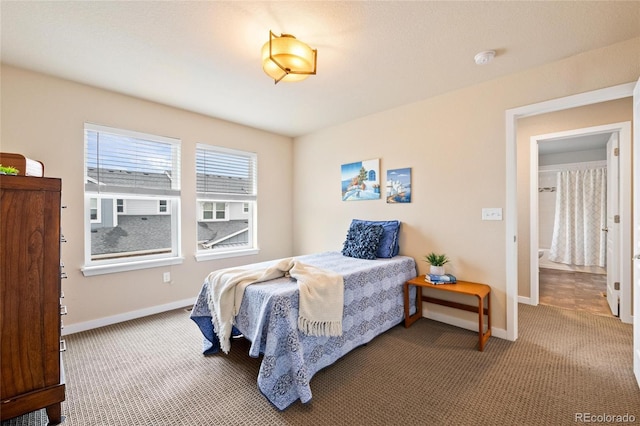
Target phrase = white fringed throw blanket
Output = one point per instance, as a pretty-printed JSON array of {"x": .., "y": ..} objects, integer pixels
[{"x": 321, "y": 297}]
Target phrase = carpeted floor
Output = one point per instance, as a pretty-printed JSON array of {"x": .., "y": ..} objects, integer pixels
[{"x": 150, "y": 372}]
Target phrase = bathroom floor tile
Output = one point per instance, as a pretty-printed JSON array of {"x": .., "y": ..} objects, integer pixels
[{"x": 574, "y": 290}]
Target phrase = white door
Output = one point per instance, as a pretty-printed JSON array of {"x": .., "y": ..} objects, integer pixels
[
  {"x": 636, "y": 233},
  {"x": 613, "y": 225}
]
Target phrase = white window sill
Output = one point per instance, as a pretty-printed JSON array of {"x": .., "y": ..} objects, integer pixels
[
  {"x": 202, "y": 256},
  {"x": 89, "y": 271}
]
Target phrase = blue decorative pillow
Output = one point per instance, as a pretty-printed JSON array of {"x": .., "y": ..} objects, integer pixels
[
  {"x": 362, "y": 241},
  {"x": 389, "y": 242}
]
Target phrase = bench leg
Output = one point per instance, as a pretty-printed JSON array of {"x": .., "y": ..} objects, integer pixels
[
  {"x": 483, "y": 337},
  {"x": 480, "y": 322},
  {"x": 410, "y": 319}
]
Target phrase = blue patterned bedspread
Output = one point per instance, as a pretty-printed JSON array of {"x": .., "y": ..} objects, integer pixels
[{"x": 268, "y": 317}]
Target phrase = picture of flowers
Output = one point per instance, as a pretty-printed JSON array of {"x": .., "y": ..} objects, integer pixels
[
  {"x": 361, "y": 180},
  {"x": 399, "y": 185}
]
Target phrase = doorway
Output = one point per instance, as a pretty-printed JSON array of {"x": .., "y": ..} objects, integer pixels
[
  {"x": 593, "y": 284},
  {"x": 511, "y": 222}
]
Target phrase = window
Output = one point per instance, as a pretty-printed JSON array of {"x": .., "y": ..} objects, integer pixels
[
  {"x": 226, "y": 202},
  {"x": 221, "y": 211},
  {"x": 132, "y": 193},
  {"x": 211, "y": 211},
  {"x": 207, "y": 210},
  {"x": 94, "y": 210}
]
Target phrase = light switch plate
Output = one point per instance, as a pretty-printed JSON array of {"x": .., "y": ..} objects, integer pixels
[{"x": 492, "y": 213}]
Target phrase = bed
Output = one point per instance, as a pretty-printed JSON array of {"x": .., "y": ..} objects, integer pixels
[{"x": 268, "y": 318}]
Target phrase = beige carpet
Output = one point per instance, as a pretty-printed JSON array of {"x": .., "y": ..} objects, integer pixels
[{"x": 150, "y": 372}]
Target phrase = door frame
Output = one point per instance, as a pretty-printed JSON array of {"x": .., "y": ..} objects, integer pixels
[
  {"x": 623, "y": 129},
  {"x": 636, "y": 235},
  {"x": 511, "y": 207},
  {"x": 613, "y": 228}
]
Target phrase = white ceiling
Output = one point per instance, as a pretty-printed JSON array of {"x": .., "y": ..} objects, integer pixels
[
  {"x": 591, "y": 142},
  {"x": 372, "y": 56}
]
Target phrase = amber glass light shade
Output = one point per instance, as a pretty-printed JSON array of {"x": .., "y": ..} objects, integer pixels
[{"x": 286, "y": 58}]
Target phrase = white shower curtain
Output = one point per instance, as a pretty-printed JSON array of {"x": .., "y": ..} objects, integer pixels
[{"x": 581, "y": 214}]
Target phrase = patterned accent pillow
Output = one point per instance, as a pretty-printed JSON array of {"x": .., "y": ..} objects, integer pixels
[
  {"x": 362, "y": 241},
  {"x": 389, "y": 246}
]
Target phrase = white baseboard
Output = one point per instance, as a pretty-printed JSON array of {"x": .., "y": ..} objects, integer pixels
[
  {"x": 89, "y": 325},
  {"x": 525, "y": 300},
  {"x": 462, "y": 323}
]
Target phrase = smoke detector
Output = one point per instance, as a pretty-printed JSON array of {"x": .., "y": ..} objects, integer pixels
[{"x": 485, "y": 57}]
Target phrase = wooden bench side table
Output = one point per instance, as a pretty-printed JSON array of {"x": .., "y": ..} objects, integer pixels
[{"x": 481, "y": 291}]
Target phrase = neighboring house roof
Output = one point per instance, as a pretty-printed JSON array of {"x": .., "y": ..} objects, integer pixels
[
  {"x": 205, "y": 183},
  {"x": 125, "y": 178},
  {"x": 222, "y": 233},
  {"x": 133, "y": 233},
  {"x": 151, "y": 232},
  {"x": 223, "y": 184}
]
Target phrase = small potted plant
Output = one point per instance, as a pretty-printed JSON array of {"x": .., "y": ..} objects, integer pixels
[
  {"x": 8, "y": 170},
  {"x": 437, "y": 262}
]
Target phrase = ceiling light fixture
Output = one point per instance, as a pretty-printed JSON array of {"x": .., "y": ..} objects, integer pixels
[
  {"x": 485, "y": 57},
  {"x": 286, "y": 58}
]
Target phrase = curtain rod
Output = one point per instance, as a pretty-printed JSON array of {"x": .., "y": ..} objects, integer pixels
[{"x": 572, "y": 166}]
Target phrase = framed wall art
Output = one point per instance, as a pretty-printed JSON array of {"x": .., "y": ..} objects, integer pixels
[
  {"x": 361, "y": 180},
  {"x": 399, "y": 186}
]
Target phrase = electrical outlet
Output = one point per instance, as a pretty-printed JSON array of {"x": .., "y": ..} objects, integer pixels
[
  {"x": 492, "y": 213},
  {"x": 166, "y": 277}
]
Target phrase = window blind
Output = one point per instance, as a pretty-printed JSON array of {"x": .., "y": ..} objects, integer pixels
[
  {"x": 126, "y": 162},
  {"x": 225, "y": 173}
]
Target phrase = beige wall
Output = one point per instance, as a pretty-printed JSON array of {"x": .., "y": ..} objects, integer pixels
[
  {"x": 576, "y": 118},
  {"x": 455, "y": 145},
  {"x": 43, "y": 117}
]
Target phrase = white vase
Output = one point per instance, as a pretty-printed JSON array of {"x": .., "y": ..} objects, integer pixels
[{"x": 436, "y": 270}]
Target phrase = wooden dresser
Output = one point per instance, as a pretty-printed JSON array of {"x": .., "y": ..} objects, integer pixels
[{"x": 31, "y": 375}]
